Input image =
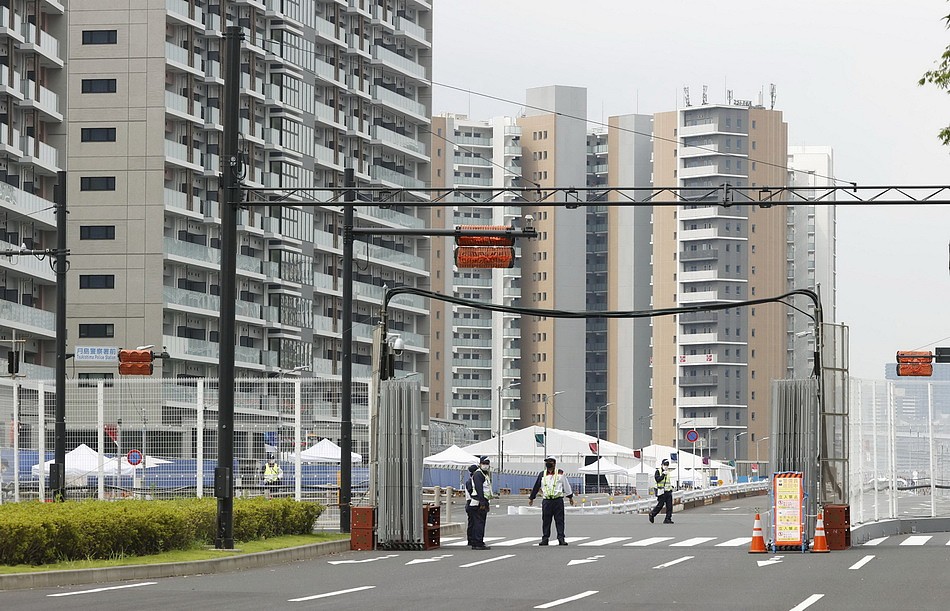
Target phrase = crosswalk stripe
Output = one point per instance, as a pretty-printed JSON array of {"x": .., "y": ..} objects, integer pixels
[
  {"x": 877, "y": 541},
  {"x": 691, "y": 542},
  {"x": 575, "y": 539},
  {"x": 464, "y": 543},
  {"x": 735, "y": 542},
  {"x": 448, "y": 539},
  {"x": 646, "y": 542},
  {"x": 917, "y": 540},
  {"x": 517, "y": 541},
  {"x": 606, "y": 541}
]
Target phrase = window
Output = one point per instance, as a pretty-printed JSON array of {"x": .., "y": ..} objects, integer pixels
[
  {"x": 98, "y": 134},
  {"x": 96, "y": 281},
  {"x": 97, "y": 232},
  {"x": 97, "y": 330},
  {"x": 99, "y": 37},
  {"x": 98, "y": 85},
  {"x": 88, "y": 380},
  {"x": 97, "y": 183}
]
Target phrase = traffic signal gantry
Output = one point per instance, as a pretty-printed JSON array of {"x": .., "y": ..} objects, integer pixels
[{"x": 920, "y": 362}]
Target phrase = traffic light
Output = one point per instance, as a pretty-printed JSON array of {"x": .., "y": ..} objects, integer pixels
[
  {"x": 914, "y": 363},
  {"x": 13, "y": 362},
  {"x": 481, "y": 252},
  {"x": 135, "y": 362}
]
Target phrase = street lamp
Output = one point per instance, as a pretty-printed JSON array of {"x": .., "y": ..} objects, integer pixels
[
  {"x": 598, "y": 410},
  {"x": 556, "y": 393},
  {"x": 501, "y": 419},
  {"x": 757, "y": 441}
]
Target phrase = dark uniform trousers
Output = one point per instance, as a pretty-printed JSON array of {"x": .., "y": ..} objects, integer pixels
[
  {"x": 470, "y": 513},
  {"x": 552, "y": 508},
  {"x": 478, "y": 516},
  {"x": 664, "y": 499}
]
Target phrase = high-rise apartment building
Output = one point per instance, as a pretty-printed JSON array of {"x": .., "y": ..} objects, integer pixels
[
  {"x": 326, "y": 85},
  {"x": 712, "y": 370},
  {"x": 32, "y": 139},
  {"x": 475, "y": 355}
]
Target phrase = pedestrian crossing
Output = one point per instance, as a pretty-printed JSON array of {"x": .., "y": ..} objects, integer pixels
[
  {"x": 941, "y": 539},
  {"x": 605, "y": 541}
]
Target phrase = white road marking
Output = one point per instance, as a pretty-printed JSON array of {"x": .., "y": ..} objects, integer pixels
[
  {"x": 424, "y": 560},
  {"x": 585, "y": 560},
  {"x": 362, "y": 561},
  {"x": 511, "y": 542},
  {"x": 807, "y": 602},
  {"x": 672, "y": 562},
  {"x": 329, "y": 594},
  {"x": 770, "y": 561},
  {"x": 692, "y": 542},
  {"x": 561, "y": 601},
  {"x": 646, "y": 542},
  {"x": 738, "y": 541},
  {"x": 917, "y": 540},
  {"x": 447, "y": 539},
  {"x": 728, "y": 508},
  {"x": 606, "y": 541},
  {"x": 465, "y": 543},
  {"x": 575, "y": 539},
  {"x": 465, "y": 566},
  {"x": 861, "y": 562},
  {"x": 131, "y": 585},
  {"x": 877, "y": 541}
]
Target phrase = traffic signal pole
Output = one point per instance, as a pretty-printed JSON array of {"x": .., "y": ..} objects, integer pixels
[{"x": 57, "y": 472}]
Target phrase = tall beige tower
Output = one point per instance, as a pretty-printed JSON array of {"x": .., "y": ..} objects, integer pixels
[{"x": 712, "y": 370}]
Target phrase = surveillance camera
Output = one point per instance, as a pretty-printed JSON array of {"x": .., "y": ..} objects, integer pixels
[
  {"x": 398, "y": 346},
  {"x": 529, "y": 218}
]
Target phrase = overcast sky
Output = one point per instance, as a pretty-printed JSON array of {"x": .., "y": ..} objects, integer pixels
[{"x": 846, "y": 74}]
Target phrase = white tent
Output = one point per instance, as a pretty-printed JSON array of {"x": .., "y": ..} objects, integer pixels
[
  {"x": 604, "y": 466},
  {"x": 688, "y": 467},
  {"x": 83, "y": 461},
  {"x": 524, "y": 450},
  {"x": 326, "y": 451},
  {"x": 452, "y": 455}
]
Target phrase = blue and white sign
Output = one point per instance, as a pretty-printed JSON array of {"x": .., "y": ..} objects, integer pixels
[{"x": 104, "y": 354}]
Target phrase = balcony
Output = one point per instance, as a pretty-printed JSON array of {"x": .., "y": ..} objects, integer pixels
[
  {"x": 44, "y": 44},
  {"x": 42, "y": 99},
  {"x": 704, "y": 275},
  {"x": 699, "y": 234},
  {"x": 699, "y": 170},
  {"x": 412, "y": 29},
  {"x": 698, "y": 380},
  {"x": 401, "y": 103},
  {"x": 183, "y": 156},
  {"x": 687, "y": 402},
  {"x": 186, "y": 13},
  {"x": 686, "y": 339},
  {"x": 182, "y": 59},
  {"x": 699, "y": 255},
  {"x": 697, "y": 359},
  {"x": 31, "y": 320},
  {"x": 188, "y": 349},
  {"x": 398, "y": 141},
  {"x": 382, "y": 174},
  {"x": 26, "y": 265},
  {"x": 210, "y": 304},
  {"x": 698, "y": 297}
]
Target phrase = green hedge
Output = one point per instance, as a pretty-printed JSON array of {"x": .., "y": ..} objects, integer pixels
[{"x": 39, "y": 533}]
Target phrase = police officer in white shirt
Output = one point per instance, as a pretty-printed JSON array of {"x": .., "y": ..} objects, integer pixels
[
  {"x": 553, "y": 486},
  {"x": 481, "y": 495}
]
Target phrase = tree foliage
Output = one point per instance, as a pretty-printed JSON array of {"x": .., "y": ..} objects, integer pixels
[{"x": 940, "y": 76}]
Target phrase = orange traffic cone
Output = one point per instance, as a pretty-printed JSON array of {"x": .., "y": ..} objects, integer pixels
[
  {"x": 758, "y": 541},
  {"x": 820, "y": 544}
]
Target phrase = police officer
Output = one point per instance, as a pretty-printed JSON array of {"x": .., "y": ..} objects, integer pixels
[
  {"x": 469, "y": 510},
  {"x": 553, "y": 487},
  {"x": 272, "y": 474},
  {"x": 664, "y": 492},
  {"x": 481, "y": 495}
]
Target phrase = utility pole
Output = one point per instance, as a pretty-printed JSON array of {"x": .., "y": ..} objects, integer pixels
[
  {"x": 346, "y": 373},
  {"x": 57, "y": 472},
  {"x": 230, "y": 176}
]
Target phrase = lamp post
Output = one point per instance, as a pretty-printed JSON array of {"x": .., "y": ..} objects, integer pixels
[
  {"x": 757, "y": 441},
  {"x": 735, "y": 453},
  {"x": 598, "y": 410},
  {"x": 501, "y": 420},
  {"x": 556, "y": 393}
]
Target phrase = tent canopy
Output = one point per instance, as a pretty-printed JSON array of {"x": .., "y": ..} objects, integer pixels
[
  {"x": 83, "y": 460},
  {"x": 326, "y": 451},
  {"x": 604, "y": 466},
  {"x": 452, "y": 455}
]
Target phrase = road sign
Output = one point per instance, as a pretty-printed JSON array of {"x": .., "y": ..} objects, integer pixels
[
  {"x": 134, "y": 457},
  {"x": 692, "y": 436},
  {"x": 96, "y": 353}
]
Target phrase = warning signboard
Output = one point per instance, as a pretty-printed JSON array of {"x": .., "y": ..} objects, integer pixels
[{"x": 788, "y": 496}]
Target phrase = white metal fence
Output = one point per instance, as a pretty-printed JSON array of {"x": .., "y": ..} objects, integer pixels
[{"x": 172, "y": 426}]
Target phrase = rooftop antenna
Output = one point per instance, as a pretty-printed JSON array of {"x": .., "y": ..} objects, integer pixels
[
  {"x": 705, "y": 87},
  {"x": 729, "y": 97},
  {"x": 686, "y": 95},
  {"x": 772, "y": 94}
]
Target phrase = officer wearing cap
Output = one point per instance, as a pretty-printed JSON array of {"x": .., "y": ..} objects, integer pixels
[
  {"x": 469, "y": 510},
  {"x": 553, "y": 486},
  {"x": 481, "y": 495},
  {"x": 664, "y": 492}
]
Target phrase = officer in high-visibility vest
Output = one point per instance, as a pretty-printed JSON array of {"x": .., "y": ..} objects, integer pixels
[
  {"x": 272, "y": 474},
  {"x": 481, "y": 495},
  {"x": 664, "y": 492},
  {"x": 469, "y": 509},
  {"x": 553, "y": 486}
]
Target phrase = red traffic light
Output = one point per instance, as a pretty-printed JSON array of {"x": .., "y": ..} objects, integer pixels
[
  {"x": 480, "y": 257},
  {"x": 914, "y": 363},
  {"x": 136, "y": 362},
  {"x": 494, "y": 240}
]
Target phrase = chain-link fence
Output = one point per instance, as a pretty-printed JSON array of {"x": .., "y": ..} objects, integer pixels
[
  {"x": 157, "y": 438},
  {"x": 900, "y": 449}
]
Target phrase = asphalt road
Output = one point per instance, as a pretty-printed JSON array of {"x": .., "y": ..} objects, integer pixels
[{"x": 613, "y": 561}]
